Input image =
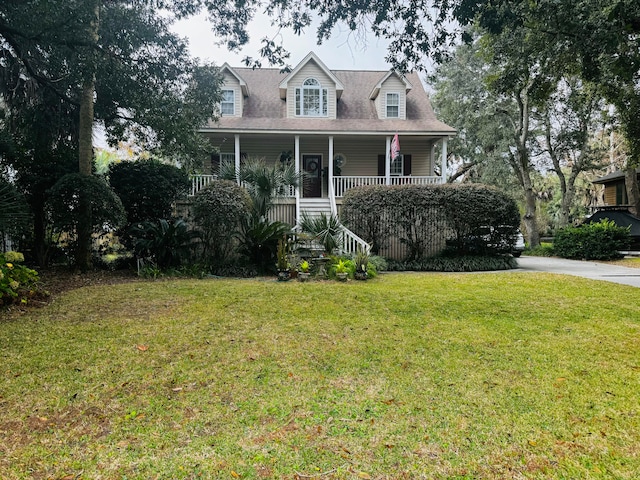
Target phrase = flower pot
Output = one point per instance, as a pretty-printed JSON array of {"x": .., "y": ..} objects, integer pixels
[
  {"x": 360, "y": 275},
  {"x": 284, "y": 275},
  {"x": 342, "y": 276},
  {"x": 303, "y": 276}
]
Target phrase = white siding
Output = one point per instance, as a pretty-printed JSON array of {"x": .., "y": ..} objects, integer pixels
[
  {"x": 379, "y": 106},
  {"x": 393, "y": 85},
  {"x": 231, "y": 83},
  {"x": 311, "y": 70},
  {"x": 361, "y": 152}
]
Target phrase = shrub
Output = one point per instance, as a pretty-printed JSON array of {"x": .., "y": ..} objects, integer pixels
[
  {"x": 592, "y": 241},
  {"x": 219, "y": 210},
  {"x": 259, "y": 241},
  {"x": 17, "y": 282},
  {"x": 542, "y": 250},
  {"x": 364, "y": 211},
  {"x": 418, "y": 214},
  {"x": 168, "y": 243},
  {"x": 64, "y": 207},
  {"x": 458, "y": 263},
  {"x": 482, "y": 219},
  {"x": 148, "y": 188},
  {"x": 14, "y": 212},
  {"x": 380, "y": 263}
]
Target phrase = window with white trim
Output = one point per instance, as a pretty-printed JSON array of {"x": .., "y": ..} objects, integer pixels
[
  {"x": 397, "y": 166},
  {"x": 228, "y": 102},
  {"x": 393, "y": 105},
  {"x": 311, "y": 99}
]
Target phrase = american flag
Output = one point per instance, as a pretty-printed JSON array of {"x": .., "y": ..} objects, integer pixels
[{"x": 395, "y": 148}]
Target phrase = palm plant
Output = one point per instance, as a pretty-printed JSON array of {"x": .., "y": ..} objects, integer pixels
[
  {"x": 168, "y": 242},
  {"x": 259, "y": 240},
  {"x": 262, "y": 181},
  {"x": 324, "y": 229}
]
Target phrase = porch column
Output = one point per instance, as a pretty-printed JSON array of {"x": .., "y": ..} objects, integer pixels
[
  {"x": 330, "y": 165},
  {"x": 330, "y": 190},
  {"x": 297, "y": 168},
  {"x": 237, "y": 156},
  {"x": 433, "y": 159},
  {"x": 387, "y": 163},
  {"x": 444, "y": 160}
]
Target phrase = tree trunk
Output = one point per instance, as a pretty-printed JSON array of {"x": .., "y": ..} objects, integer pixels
[
  {"x": 85, "y": 146},
  {"x": 522, "y": 165},
  {"x": 530, "y": 217}
]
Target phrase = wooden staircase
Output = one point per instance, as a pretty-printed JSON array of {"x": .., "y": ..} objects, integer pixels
[{"x": 314, "y": 207}]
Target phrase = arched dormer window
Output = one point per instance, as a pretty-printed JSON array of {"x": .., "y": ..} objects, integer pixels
[{"x": 311, "y": 99}]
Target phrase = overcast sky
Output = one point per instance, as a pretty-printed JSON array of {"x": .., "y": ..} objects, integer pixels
[{"x": 343, "y": 51}]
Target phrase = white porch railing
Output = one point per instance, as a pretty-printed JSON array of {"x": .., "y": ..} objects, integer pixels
[
  {"x": 416, "y": 180},
  {"x": 340, "y": 184},
  {"x": 351, "y": 243},
  {"x": 343, "y": 183},
  {"x": 198, "y": 182}
]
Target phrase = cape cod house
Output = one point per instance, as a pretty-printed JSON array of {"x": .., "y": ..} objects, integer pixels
[{"x": 336, "y": 125}]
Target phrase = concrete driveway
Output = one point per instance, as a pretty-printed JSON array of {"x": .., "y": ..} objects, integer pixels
[{"x": 593, "y": 270}]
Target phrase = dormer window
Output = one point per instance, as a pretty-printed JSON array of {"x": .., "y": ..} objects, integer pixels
[
  {"x": 311, "y": 99},
  {"x": 228, "y": 103},
  {"x": 393, "y": 105}
]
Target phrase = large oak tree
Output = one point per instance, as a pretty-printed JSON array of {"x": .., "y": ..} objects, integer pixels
[{"x": 113, "y": 62}]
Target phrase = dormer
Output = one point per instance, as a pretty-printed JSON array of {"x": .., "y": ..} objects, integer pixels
[
  {"x": 234, "y": 90},
  {"x": 390, "y": 96},
  {"x": 311, "y": 90}
]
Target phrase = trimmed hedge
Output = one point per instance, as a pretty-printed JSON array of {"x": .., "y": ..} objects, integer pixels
[
  {"x": 63, "y": 204},
  {"x": 148, "y": 188},
  {"x": 462, "y": 263},
  {"x": 476, "y": 219},
  {"x": 592, "y": 241},
  {"x": 219, "y": 210}
]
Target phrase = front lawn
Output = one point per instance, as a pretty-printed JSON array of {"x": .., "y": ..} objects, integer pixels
[{"x": 467, "y": 376}]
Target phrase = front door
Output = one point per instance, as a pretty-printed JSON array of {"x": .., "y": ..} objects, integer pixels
[{"x": 312, "y": 165}]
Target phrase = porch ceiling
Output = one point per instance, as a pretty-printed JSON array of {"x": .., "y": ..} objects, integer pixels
[{"x": 217, "y": 137}]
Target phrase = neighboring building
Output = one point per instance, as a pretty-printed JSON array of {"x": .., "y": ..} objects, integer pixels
[
  {"x": 615, "y": 192},
  {"x": 616, "y": 205},
  {"x": 336, "y": 125}
]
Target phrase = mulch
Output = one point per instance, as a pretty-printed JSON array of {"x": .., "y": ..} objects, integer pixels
[
  {"x": 59, "y": 280},
  {"x": 55, "y": 281}
]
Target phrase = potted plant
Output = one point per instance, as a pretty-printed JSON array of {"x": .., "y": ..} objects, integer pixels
[
  {"x": 341, "y": 270},
  {"x": 303, "y": 272},
  {"x": 282, "y": 265},
  {"x": 361, "y": 261}
]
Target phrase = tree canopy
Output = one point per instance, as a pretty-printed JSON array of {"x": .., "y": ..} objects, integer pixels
[{"x": 146, "y": 84}]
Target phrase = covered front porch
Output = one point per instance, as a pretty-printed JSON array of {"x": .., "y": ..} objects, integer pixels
[{"x": 358, "y": 160}]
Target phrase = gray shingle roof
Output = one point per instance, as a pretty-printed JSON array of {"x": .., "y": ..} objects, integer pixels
[
  {"x": 617, "y": 175},
  {"x": 265, "y": 110}
]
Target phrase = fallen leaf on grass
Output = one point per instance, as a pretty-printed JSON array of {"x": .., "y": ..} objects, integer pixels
[
  {"x": 234, "y": 474},
  {"x": 142, "y": 348},
  {"x": 364, "y": 475}
]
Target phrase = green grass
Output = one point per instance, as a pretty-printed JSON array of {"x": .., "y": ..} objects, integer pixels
[
  {"x": 458, "y": 376},
  {"x": 627, "y": 262}
]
